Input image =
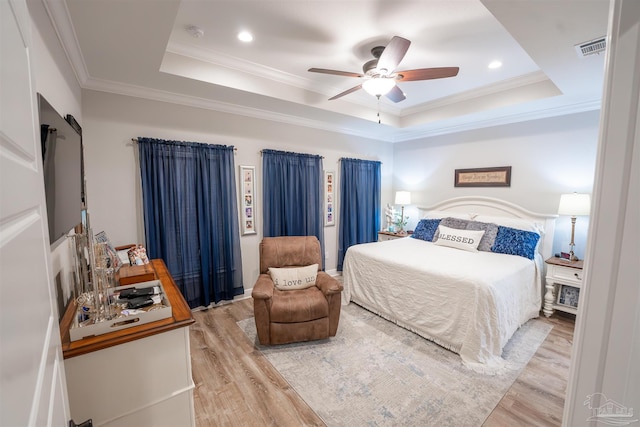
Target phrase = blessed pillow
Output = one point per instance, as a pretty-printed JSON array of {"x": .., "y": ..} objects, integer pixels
[
  {"x": 467, "y": 240},
  {"x": 425, "y": 229},
  {"x": 290, "y": 278},
  {"x": 452, "y": 222},
  {"x": 512, "y": 241}
]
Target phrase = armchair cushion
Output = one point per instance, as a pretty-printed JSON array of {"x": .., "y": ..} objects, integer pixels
[
  {"x": 302, "y": 305},
  {"x": 292, "y": 278}
]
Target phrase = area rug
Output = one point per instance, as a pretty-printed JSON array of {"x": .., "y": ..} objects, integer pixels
[{"x": 374, "y": 373}]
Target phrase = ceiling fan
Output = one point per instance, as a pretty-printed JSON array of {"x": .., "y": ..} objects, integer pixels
[{"x": 380, "y": 73}]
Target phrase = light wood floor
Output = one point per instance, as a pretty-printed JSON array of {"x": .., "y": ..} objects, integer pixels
[{"x": 237, "y": 386}]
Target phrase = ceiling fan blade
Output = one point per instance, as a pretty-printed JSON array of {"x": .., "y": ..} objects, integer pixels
[
  {"x": 427, "y": 74},
  {"x": 335, "y": 72},
  {"x": 396, "y": 94},
  {"x": 346, "y": 92},
  {"x": 393, "y": 54}
]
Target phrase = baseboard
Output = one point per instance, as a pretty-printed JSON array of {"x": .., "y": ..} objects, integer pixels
[{"x": 245, "y": 295}]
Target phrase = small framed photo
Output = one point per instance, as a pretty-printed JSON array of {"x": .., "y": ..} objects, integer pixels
[
  {"x": 568, "y": 296},
  {"x": 248, "y": 199},
  {"x": 329, "y": 185}
]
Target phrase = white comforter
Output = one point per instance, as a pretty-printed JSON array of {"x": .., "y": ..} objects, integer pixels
[{"x": 468, "y": 302}]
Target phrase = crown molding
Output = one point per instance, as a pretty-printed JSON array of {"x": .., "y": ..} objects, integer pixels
[
  {"x": 224, "y": 107},
  {"x": 386, "y": 134},
  {"x": 502, "y": 86},
  {"x": 409, "y": 135},
  {"x": 219, "y": 59},
  {"x": 62, "y": 25}
]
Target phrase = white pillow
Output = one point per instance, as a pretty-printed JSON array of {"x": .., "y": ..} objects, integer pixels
[
  {"x": 467, "y": 240},
  {"x": 287, "y": 279}
]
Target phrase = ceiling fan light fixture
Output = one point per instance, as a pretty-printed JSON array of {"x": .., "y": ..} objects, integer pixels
[{"x": 378, "y": 86}]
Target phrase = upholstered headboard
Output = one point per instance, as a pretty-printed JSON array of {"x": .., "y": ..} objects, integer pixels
[{"x": 489, "y": 206}]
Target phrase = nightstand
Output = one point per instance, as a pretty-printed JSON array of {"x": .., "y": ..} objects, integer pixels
[
  {"x": 387, "y": 235},
  {"x": 564, "y": 280}
]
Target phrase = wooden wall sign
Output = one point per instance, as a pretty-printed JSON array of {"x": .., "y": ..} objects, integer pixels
[{"x": 483, "y": 177}]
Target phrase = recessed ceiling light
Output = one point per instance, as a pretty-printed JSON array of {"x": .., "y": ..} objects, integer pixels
[
  {"x": 495, "y": 64},
  {"x": 245, "y": 36}
]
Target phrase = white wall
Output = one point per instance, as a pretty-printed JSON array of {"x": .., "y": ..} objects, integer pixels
[
  {"x": 113, "y": 189},
  {"x": 548, "y": 157},
  {"x": 606, "y": 347},
  {"x": 56, "y": 81}
]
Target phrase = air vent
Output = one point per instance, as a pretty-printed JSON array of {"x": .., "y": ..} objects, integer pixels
[{"x": 592, "y": 46}]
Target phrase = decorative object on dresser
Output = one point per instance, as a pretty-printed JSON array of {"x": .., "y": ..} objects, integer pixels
[
  {"x": 389, "y": 214},
  {"x": 284, "y": 312},
  {"x": 573, "y": 205},
  {"x": 402, "y": 198},
  {"x": 564, "y": 280}
]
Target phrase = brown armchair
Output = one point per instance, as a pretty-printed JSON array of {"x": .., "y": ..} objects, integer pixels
[{"x": 294, "y": 315}]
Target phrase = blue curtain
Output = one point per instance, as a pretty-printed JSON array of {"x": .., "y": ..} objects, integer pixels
[
  {"x": 191, "y": 216},
  {"x": 359, "y": 204},
  {"x": 292, "y": 195}
]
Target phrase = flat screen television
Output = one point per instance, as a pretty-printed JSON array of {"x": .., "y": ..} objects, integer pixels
[{"x": 62, "y": 159}]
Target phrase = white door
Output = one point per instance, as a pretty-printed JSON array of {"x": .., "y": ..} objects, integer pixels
[{"x": 32, "y": 381}]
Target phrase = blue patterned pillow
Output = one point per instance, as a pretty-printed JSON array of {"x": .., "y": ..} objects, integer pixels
[
  {"x": 426, "y": 229},
  {"x": 512, "y": 241}
]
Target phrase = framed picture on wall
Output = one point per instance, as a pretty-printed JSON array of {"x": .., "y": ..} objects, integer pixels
[
  {"x": 329, "y": 200},
  {"x": 483, "y": 177},
  {"x": 248, "y": 199}
]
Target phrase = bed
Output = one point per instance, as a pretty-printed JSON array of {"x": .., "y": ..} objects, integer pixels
[{"x": 470, "y": 302}]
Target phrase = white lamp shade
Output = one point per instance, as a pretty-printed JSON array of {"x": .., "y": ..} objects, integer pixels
[
  {"x": 403, "y": 198},
  {"x": 378, "y": 86},
  {"x": 574, "y": 204}
]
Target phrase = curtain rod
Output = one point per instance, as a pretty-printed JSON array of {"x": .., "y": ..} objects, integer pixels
[
  {"x": 136, "y": 140},
  {"x": 363, "y": 160},
  {"x": 293, "y": 152}
]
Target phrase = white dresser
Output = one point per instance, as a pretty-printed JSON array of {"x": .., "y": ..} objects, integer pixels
[{"x": 140, "y": 376}]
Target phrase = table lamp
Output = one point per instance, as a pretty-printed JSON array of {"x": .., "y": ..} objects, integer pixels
[
  {"x": 402, "y": 198},
  {"x": 574, "y": 204}
]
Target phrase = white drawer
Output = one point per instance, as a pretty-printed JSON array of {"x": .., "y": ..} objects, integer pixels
[{"x": 569, "y": 273}]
